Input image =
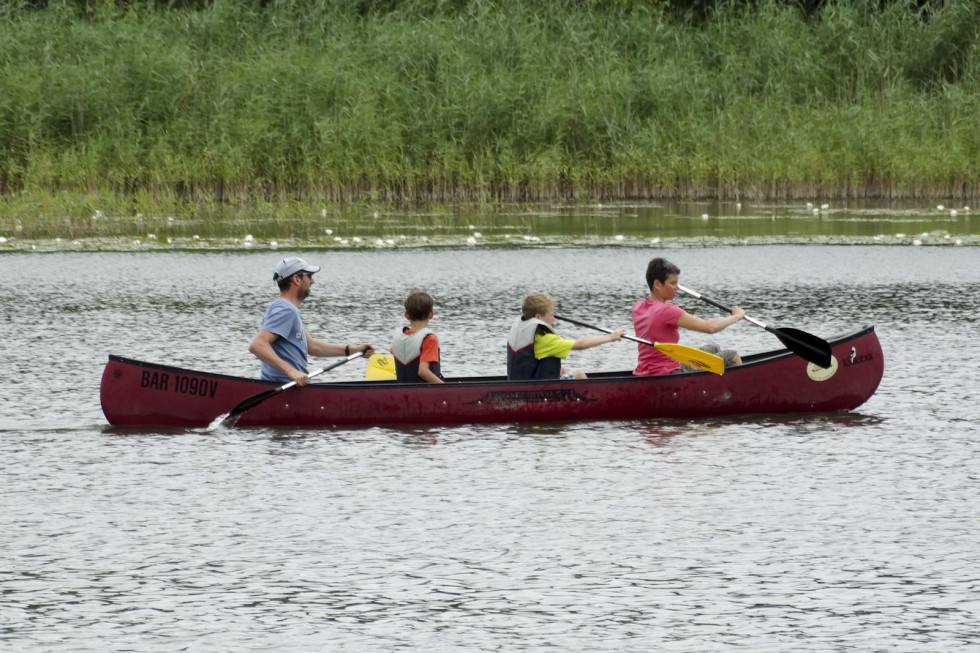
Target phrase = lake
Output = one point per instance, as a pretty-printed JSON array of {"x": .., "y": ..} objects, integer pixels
[
  {"x": 854, "y": 531},
  {"x": 639, "y": 224}
]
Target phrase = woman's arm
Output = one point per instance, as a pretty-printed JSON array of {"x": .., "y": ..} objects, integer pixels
[{"x": 714, "y": 325}]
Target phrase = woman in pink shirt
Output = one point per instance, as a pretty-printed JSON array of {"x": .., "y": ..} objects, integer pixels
[{"x": 657, "y": 320}]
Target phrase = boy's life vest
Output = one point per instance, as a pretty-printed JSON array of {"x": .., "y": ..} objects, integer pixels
[
  {"x": 407, "y": 350},
  {"x": 521, "y": 362}
]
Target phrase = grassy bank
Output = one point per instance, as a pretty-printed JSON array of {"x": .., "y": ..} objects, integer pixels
[{"x": 163, "y": 111}]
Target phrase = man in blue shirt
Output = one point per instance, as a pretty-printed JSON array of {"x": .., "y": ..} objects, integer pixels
[{"x": 282, "y": 343}]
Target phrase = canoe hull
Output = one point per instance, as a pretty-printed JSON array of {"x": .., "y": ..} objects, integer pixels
[{"x": 136, "y": 393}]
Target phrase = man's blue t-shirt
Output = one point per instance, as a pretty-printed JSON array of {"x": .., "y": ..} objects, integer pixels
[{"x": 283, "y": 319}]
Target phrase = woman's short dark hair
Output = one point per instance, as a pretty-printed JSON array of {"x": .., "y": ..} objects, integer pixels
[{"x": 659, "y": 269}]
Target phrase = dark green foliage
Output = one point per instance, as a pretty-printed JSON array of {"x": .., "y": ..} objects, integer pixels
[
  {"x": 942, "y": 54},
  {"x": 415, "y": 98}
]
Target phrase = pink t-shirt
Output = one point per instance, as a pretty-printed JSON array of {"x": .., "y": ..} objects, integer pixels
[{"x": 656, "y": 321}]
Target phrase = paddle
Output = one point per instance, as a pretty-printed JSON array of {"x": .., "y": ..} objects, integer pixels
[
  {"x": 803, "y": 344},
  {"x": 381, "y": 367},
  {"x": 681, "y": 353},
  {"x": 255, "y": 400}
]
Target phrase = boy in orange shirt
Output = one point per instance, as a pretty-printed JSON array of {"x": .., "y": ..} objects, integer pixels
[{"x": 416, "y": 347}]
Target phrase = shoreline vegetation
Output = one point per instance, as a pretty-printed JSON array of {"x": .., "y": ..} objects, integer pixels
[{"x": 214, "y": 108}]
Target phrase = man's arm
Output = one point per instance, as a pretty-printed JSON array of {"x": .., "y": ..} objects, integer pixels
[
  {"x": 261, "y": 348},
  {"x": 324, "y": 348}
]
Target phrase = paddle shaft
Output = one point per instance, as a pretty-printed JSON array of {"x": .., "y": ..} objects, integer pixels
[
  {"x": 727, "y": 309},
  {"x": 681, "y": 353},
  {"x": 255, "y": 400},
  {"x": 803, "y": 344},
  {"x": 598, "y": 328}
]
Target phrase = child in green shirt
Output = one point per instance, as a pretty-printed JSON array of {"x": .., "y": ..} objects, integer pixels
[{"x": 536, "y": 351}]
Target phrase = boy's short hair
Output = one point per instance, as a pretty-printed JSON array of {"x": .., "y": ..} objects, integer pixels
[
  {"x": 418, "y": 305},
  {"x": 659, "y": 269},
  {"x": 535, "y": 303}
]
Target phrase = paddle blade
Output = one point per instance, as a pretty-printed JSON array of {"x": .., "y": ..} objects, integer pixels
[
  {"x": 228, "y": 419},
  {"x": 381, "y": 367},
  {"x": 694, "y": 357},
  {"x": 805, "y": 345},
  {"x": 255, "y": 400}
]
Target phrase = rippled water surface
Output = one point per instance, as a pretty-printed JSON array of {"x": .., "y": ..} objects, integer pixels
[
  {"x": 854, "y": 531},
  {"x": 917, "y": 222}
]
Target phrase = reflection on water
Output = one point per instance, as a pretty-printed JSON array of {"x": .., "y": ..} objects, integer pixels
[
  {"x": 661, "y": 430},
  {"x": 581, "y": 225},
  {"x": 852, "y": 531}
]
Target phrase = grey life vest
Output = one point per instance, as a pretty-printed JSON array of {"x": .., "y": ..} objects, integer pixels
[
  {"x": 407, "y": 349},
  {"x": 521, "y": 363}
]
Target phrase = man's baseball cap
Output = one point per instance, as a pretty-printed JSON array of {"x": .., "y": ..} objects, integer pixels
[{"x": 290, "y": 266}]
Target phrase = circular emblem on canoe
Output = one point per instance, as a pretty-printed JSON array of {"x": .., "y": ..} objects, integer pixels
[{"x": 818, "y": 373}]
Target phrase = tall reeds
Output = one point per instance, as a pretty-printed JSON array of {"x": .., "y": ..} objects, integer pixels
[{"x": 488, "y": 101}]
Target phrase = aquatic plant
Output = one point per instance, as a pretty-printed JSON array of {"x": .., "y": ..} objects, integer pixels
[{"x": 212, "y": 104}]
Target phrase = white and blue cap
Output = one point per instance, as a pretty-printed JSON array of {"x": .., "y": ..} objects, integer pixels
[{"x": 290, "y": 266}]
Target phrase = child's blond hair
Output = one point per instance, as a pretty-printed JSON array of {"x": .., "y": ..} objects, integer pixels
[{"x": 536, "y": 303}]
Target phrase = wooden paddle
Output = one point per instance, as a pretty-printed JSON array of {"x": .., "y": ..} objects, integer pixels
[
  {"x": 255, "y": 400},
  {"x": 681, "y": 353},
  {"x": 803, "y": 344},
  {"x": 381, "y": 367}
]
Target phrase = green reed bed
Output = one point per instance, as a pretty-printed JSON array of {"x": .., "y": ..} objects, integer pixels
[{"x": 161, "y": 112}]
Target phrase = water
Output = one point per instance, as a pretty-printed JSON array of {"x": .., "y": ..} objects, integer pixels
[
  {"x": 594, "y": 225},
  {"x": 855, "y": 531}
]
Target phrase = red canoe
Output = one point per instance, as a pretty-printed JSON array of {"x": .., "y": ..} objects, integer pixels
[{"x": 135, "y": 393}]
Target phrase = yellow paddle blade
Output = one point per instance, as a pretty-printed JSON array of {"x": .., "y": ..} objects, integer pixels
[
  {"x": 694, "y": 357},
  {"x": 381, "y": 367}
]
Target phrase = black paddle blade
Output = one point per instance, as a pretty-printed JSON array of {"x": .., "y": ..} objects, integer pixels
[
  {"x": 262, "y": 396},
  {"x": 250, "y": 402},
  {"x": 805, "y": 345}
]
